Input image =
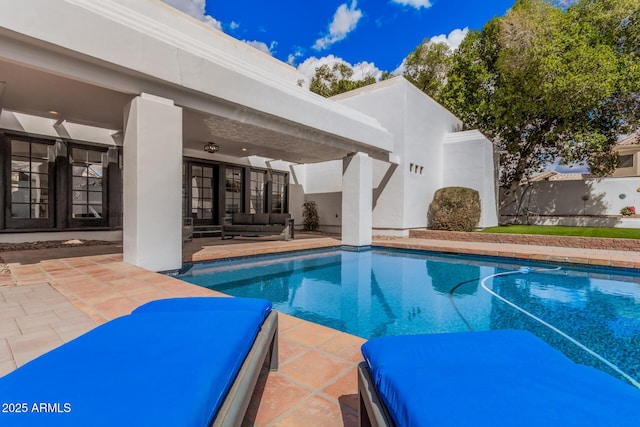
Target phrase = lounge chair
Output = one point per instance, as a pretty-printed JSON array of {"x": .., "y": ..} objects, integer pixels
[
  {"x": 174, "y": 362},
  {"x": 495, "y": 378}
]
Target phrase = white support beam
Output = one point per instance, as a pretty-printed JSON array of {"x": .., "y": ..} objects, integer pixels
[
  {"x": 152, "y": 223},
  {"x": 357, "y": 199}
]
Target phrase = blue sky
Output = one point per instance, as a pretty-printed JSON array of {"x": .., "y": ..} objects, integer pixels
[{"x": 370, "y": 35}]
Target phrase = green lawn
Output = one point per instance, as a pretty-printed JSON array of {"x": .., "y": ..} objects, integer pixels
[{"x": 553, "y": 230}]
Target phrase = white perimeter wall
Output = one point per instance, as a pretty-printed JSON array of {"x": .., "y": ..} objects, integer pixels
[{"x": 605, "y": 196}]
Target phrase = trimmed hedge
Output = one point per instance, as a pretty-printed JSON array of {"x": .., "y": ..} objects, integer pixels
[{"x": 454, "y": 209}]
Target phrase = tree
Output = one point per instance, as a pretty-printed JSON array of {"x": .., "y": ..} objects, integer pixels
[
  {"x": 544, "y": 83},
  {"x": 310, "y": 217},
  {"x": 386, "y": 75},
  {"x": 428, "y": 66},
  {"x": 330, "y": 81}
]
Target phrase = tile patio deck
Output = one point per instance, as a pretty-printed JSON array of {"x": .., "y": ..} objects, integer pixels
[{"x": 52, "y": 296}]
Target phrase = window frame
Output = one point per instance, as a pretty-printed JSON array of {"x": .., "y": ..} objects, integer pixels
[
  {"x": 274, "y": 191},
  {"x": 626, "y": 157},
  {"x": 89, "y": 221},
  {"x": 188, "y": 209},
  {"x": 228, "y": 215},
  {"x": 17, "y": 223},
  {"x": 263, "y": 194}
]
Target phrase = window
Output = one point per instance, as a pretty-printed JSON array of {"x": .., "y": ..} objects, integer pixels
[
  {"x": 257, "y": 200},
  {"x": 232, "y": 191},
  {"x": 202, "y": 192},
  {"x": 30, "y": 180},
  {"x": 278, "y": 193},
  {"x": 625, "y": 161},
  {"x": 87, "y": 167},
  {"x": 58, "y": 184}
]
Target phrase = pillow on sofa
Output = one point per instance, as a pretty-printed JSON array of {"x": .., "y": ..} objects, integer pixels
[
  {"x": 242, "y": 218},
  {"x": 261, "y": 218}
]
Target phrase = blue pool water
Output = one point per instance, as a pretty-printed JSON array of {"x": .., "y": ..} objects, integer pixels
[{"x": 385, "y": 292}]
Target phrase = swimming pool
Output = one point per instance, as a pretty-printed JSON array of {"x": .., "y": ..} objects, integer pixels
[{"x": 592, "y": 315}]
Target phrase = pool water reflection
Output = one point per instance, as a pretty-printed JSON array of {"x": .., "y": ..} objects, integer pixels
[{"x": 392, "y": 292}]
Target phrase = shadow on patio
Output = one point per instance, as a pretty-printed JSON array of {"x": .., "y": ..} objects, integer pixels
[{"x": 199, "y": 249}]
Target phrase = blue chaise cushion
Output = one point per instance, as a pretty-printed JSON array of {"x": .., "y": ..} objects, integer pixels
[
  {"x": 206, "y": 304},
  {"x": 161, "y": 368},
  {"x": 494, "y": 378}
]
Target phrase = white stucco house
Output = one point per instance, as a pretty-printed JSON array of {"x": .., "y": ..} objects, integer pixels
[
  {"x": 628, "y": 150},
  {"x": 106, "y": 108}
]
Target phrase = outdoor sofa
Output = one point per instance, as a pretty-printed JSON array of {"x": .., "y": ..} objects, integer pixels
[
  {"x": 174, "y": 362},
  {"x": 495, "y": 378},
  {"x": 259, "y": 224}
]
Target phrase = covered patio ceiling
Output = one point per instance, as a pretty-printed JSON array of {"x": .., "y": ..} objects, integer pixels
[{"x": 39, "y": 93}]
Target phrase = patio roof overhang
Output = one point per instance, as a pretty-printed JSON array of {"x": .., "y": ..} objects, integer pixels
[{"x": 86, "y": 60}]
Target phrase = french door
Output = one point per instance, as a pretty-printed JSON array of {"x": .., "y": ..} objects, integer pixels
[{"x": 199, "y": 193}]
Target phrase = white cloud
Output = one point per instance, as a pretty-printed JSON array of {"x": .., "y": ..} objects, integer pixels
[
  {"x": 293, "y": 56},
  {"x": 344, "y": 21},
  {"x": 400, "y": 70},
  {"x": 454, "y": 38},
  {"x": 360, "y": 70},
  {"x": 262, "y": 46},
  {"x": 414, "y": 3},
  {"x": 195, "y": 8},
  {"x": 365, "y": 69}
]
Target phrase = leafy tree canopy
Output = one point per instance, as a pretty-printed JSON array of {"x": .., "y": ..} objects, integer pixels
[
  {"x": 428, "y": 66},
  {"x": 545, "y": 82},
  {"x": 551, "y": 79},
  {"x": 330, "y": 81}
]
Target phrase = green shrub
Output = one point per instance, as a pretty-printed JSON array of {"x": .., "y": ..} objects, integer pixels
[
  {"x": 454, "y": 209},
  {"x": 310, "y": 217}
]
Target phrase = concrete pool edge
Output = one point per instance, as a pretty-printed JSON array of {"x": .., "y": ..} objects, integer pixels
[
  {"x": 572, "y": 256},
  {"x": 596, "y": 258}
]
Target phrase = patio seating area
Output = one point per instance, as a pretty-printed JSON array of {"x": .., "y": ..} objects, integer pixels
[{"x": 48, "y": 299}]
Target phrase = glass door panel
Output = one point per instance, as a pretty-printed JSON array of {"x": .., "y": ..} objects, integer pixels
[
  {"x": 202, "y": 195},
  {"x": 30, "y": 184},
  {"x": 88, "y": 198},
  {"x": 257, "y": 200},
  {"x": 232, "y": 192}
]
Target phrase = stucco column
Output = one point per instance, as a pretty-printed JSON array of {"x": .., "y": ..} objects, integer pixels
[
  {"x": 357, "y": 182},
  {"x": 152, "y": 172}
]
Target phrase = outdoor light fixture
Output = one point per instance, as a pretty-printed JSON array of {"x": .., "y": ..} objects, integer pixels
[{"x": 211, "y": 147}]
